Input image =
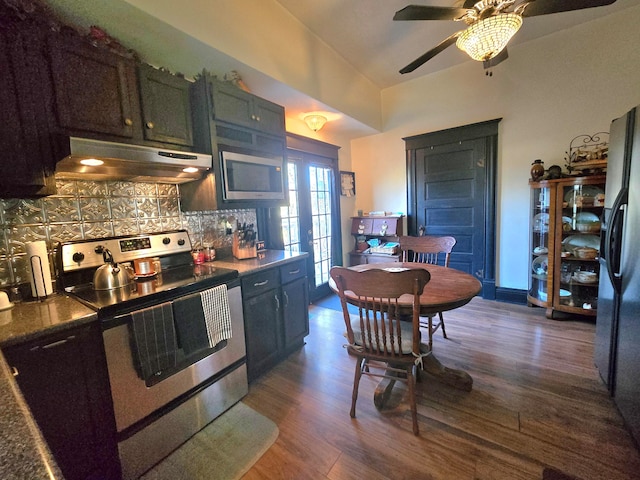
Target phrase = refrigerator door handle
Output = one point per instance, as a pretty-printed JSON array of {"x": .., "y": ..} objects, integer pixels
[{"x": 613, "y": 239}]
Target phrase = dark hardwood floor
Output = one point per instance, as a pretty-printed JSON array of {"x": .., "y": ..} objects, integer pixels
[{"x": 537, "y": 401}]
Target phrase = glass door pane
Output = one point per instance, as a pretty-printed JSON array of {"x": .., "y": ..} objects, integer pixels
[
  {"x": 320, "y": 191},
  {"x": 290, "y": 216}
]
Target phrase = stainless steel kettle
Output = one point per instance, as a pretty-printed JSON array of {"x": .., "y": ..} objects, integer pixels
[{"x": 111, "y": 276}]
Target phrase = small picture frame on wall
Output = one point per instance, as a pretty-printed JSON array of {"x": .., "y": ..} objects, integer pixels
[{"x": 347, "y": 184}]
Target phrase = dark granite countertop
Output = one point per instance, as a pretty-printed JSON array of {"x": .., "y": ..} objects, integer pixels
[
  {"x": 248, "y": 266},
  {"x": 23, "y": 451},
  {"x": 33, "y": 319}
]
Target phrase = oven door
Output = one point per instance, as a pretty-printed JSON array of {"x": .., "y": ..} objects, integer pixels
[{"x": 136, "y": 398}]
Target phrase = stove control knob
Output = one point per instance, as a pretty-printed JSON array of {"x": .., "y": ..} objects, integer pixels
[
  {"x": 166, "y": 240},
  {"x": 78, "y": 257},
  {"x": 181, "y": 242}
]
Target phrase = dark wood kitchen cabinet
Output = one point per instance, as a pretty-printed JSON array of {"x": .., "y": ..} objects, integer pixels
[
  {"x": 26, "y": 167},
  {"x": 166, "y": 108},
  {"x": 64, "y": 380},
  {"x": 230, "y": 117},
  {"x": 276, "y": 314},
  {"x": 235, "y": 106},
  {"x": 95, "y": 90}
]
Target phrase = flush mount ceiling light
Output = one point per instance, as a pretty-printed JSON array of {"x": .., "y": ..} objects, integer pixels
[
  {"x": 315, "y": 122},
  {"x": 487, "y": 37}
]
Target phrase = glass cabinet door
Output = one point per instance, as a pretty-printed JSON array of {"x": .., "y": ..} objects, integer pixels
[
  {"x": 539, "y": 244},
  {"x": 576, "y": 284}
]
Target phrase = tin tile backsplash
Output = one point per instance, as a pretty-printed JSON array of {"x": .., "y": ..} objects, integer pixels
[{"x": 90, "y": 209}]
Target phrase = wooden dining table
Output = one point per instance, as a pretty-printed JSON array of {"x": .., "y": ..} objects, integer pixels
[{"x": 448, "y": 289}]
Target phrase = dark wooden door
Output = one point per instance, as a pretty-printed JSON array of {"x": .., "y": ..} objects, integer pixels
[
  {"x": 450, "y": 199},
  {"x": 451, "y": 192}
]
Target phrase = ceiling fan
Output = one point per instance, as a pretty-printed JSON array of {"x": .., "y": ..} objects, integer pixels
[{"x": 490, "y": 24}]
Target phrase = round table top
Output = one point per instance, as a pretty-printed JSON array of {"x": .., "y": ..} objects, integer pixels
[{"x": 447, "y": 289}]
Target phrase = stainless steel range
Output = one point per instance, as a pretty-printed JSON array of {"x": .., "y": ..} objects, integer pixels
[{"x": 173, "y": 337}]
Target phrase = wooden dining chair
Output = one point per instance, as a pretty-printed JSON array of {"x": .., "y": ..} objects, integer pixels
[
  {"x": 383, "y": 345},
  {"x": 428, "y": 249}
]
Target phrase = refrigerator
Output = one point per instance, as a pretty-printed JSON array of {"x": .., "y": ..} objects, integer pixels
[{"x": 617, "y": 341}]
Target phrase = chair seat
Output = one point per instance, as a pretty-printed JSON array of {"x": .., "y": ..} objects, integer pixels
[{"x": 406, "y": 328}]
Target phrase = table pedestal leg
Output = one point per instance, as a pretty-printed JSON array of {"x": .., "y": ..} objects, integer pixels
[{"x": 456, "y": 378}]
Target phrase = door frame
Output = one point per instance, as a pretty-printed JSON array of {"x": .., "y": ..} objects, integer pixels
[
  {"x": 487, "y": 130},
  {"x": 269, "y": 219}
]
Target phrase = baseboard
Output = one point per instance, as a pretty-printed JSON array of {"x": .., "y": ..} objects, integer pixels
[{"x": 511, "y": 295}]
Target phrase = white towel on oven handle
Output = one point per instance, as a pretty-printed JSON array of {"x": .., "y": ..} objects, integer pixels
[{"x": 217, "y": 316}]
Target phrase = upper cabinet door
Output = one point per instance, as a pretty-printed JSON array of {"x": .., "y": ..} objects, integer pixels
[
  {"x": 235, "y": 106},
  {"x": 232, "y": 105},
  {"x": 26, "y": 168},
  {"x": 95, "y": 89},
  {"x": 269, "y": 116},
  {"x": 166, "y": 110}
]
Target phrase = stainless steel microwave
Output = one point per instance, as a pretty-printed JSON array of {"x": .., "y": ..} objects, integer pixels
[{"x": 249, "y": 177}]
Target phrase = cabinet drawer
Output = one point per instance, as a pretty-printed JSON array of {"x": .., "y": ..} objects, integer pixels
[
  {"x": 260, "y": 282},
  {"x": 361, "y": 226},
  {"x": 292, "y": 271},
  {"x": 385, "y": 226}
]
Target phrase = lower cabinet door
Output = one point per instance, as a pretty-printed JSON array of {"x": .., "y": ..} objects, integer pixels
[
  {"x": 64, "y": 381},
  {"x": 262, "y": 331},
  {"x": 295, "y": 299}
]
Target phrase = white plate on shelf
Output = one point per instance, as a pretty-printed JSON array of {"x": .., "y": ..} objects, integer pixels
[
  {"x": 563, "y": 294},
  {"x": 587, "y": 217},
  {"x": 574, "y": 241}
]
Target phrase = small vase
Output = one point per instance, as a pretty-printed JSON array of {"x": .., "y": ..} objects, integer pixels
[{"x": 537, "y": 170}]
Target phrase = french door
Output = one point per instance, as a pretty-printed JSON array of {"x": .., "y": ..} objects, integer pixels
[{"x": 310, "y": 223}]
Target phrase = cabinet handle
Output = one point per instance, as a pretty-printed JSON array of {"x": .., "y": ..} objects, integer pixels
[
  {"x": 59, "y": 342},
  {"x": 128, "y": 122},
  {"x": 286, "y": 299},
  {"x": 14, "y": 371},
  {"x": 150, "y": 125},
  {"x": 293, "y": 272},
  {"x": 277, "y": 302},
  {"x": 260, "y": 284}
]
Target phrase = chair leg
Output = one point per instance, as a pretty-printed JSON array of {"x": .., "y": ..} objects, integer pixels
[
  {"x": 356, "y": 383},
  {"x": 431, "y": 334},
  {"x": 444, "y": 332},
  {"x": 412, "y": 399}
]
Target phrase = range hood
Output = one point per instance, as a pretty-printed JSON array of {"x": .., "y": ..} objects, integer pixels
[{"x": 134, "y": 163}]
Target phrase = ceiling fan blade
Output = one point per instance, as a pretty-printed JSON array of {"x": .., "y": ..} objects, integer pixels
[
  {"x": 423, "y": 12},
  {"x": 418, "y": 62},
  {"x": 469, "y": 3},
  {"x": 545, "y": 7},
  {"x": 492, "y": 62}
]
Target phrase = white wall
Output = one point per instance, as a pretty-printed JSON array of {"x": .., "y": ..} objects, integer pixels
[{"x": 549, "y": 91}]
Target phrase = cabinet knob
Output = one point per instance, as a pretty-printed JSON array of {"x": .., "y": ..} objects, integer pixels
[
  {"x": 128, "y": 122},
  {"x": 150, "y": 125},
  {"x": 257, "y": 118}
]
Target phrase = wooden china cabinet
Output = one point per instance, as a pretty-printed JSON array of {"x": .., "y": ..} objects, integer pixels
[{"x": 564, "y": 244}]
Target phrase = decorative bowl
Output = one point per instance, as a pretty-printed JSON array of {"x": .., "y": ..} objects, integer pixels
[{"x": 586, "y": 277}]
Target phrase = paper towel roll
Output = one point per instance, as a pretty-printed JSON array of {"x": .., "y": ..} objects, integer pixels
[{"x": 38, "y": 268}]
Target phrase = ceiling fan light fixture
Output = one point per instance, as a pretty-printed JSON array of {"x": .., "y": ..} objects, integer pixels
[
  {"x": 486, "y": 38},
  {"x": 315, "y": 122}
]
